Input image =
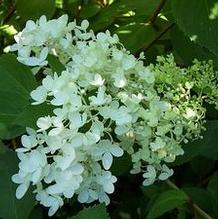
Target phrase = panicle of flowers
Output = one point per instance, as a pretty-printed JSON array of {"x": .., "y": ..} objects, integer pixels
[
  {"x": 105, "y": 102},
  {"x": 200, "y": 77}
]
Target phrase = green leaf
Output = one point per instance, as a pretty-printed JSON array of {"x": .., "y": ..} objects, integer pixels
[
  {"x": 16, "y": 112},
  {"x": 191, "y": 150},
  {"x": 3, "y": 147},
  {"x": 10, "y": 207},
  {"x": 90, "y": 9},
  {"x": 55, "y": 64},
  {"x": 182, "y": 213},
  {"x": 209, "y": 142},
  {"x": 121, "y": 10},
  {"x": 35, "y": 8},
  {"x": 31, "y": 113},
  {"x": 213, "y": 190},
  {"x": 167, "y": 201},
  {"x": 200, "y": 197},
  {"x": 17, "y": 81},
  {"x": 152, "y": 190},
  {"x": 10, "y": 131},
  {"x": 131, "y": 33},
  {"x": 187, "y": 50},
  {"x": 96, "y": 212},
  {"x": 207, "y": 147},
  {"x": 193, "y": 19},
  {"x": 15, "y": 75}
]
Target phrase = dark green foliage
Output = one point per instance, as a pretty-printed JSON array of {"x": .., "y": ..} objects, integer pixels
[
  {"x": 165, "y": 202},
  {"x": 35, "y": 8},
  {"x": 10, "y": 207},
  {"x": 97, "y": 212}
]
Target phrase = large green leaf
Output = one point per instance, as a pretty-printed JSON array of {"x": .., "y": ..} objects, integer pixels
[
  {"x": 187, "y": 50},
  {"x": 15, "y": 76},
  {"x": 207, "y": 147},
  {"x": 89, "y": 9},
  {"x": 121, "y": 10},
  {"x": 131, "y": 33},
  {"x": 191, "y": 150},
  {"x": 213, "y": 190},
  {"x": 16, "y": 84},
  {"x": 167, "y": 201},
  {"x": 210, "y": 140},
  {"x": 16, "y": 111},
  {"x": 200, "y": 196},
  {"x": 35, "y": 8},
  {"x": 17, "y": 81},
  {"x": 10, "y": 207},
  {"x": 31, "y": 113},
  {"x": 10, "y": 131},
  {"x": 193, "y": 18},
  {"x": 96, "y": 212}
]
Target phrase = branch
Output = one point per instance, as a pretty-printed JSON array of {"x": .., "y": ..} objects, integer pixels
[
  {"x": 157, "y": 11},
  {"x": 10, "y": 13},
  {"x": 155, "y": 39},
  {"x": 194, "y": 205}
]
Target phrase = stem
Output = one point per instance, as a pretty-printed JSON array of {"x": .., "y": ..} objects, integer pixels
[
  {"x": 14, "y": 143},
  {"x": 10, "y": 13},
  {"x": 201, "y": 212},
  {"x": 194, "y": 205},
  {"x": 157, "y": 11},
  {"x": 155, "y": 39},
  {"x": 79, "y": 10},
  {"x": 172, "y": 185}
]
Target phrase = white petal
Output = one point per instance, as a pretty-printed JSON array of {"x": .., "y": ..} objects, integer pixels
[
  {"x": 44, "y": 123},
  {"x": 21, "y": 150},
  {"x": 68, "y": 193},
  {"x": 55, "y": 131},
  {"x": 102, "y": 37},
  {"x": 43, "y": 54},
  {"x": 59, "y": 99},
  {"x": 54, "y": 207},
  {"x": 116, "y": 151},
  {"x": 84, "y": 24},
  {"x": 47, "y": 82},
  {"x": 17, "y": 179},
  {"x": 24, "y": 52},
  {"x": 63, "y": 162},
  {"x": 103, "y": 197},
  {"x": 83, "y": 196},
  {"x": 107, "y": 160},
  {"x": 108, "y": 187},
  {"x": 21, "y": 190},
  {"x": 37, "y": 175},
  {"x": 77, "y": 169},
  {"x": 39, "y": 94}
]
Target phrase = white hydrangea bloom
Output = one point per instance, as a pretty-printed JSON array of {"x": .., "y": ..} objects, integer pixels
[{"x": 105, "y": 102}]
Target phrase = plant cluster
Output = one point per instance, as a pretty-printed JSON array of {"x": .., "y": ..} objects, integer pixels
[{"x": 105, "y": 103}]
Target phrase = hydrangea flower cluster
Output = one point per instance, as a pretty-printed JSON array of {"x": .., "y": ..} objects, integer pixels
[{"x": 106, "y": 102}]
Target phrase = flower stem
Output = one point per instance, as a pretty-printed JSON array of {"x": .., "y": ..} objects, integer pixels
[
  {"x": 157, "y": 11},
  {"x": 144, "y": 48},
  {"x": 194, "y": 205}
]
